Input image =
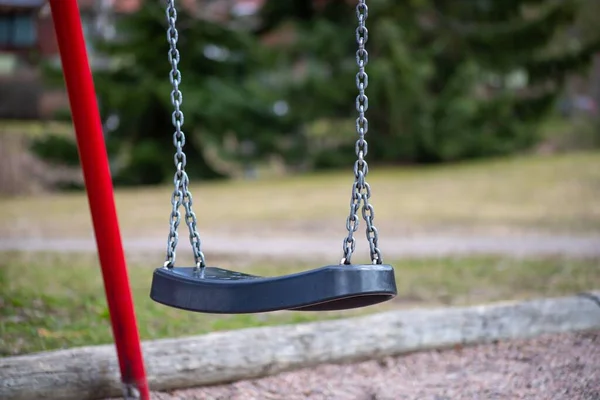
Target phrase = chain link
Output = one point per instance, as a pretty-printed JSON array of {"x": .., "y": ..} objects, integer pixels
[
  {"x": 361, "y": 191},
  {"x": 181, "y": 194}
]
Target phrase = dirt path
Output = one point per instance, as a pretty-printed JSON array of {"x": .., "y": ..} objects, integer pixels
[
  {"x": 557, "y": 367},
  {"x": 330, "y": 247}
]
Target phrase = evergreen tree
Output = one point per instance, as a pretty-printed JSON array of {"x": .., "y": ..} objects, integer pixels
[
  {"x": 449, "y": 80},
  {"x": 221, "y": 94}
]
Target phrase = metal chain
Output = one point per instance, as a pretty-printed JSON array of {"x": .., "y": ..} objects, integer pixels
[
  {"x": 361, "y": 191},
  {"x": 181, "y": 194}
]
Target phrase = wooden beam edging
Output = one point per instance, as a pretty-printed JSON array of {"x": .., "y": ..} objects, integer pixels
[{"x": 93, "y": 372}]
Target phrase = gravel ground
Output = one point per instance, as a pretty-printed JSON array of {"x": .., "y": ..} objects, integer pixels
[{"x": 557, "y": 367}]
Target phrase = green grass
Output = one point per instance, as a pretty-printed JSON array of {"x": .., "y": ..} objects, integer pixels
[
  {"x": 533, "y": 193},
  {"x": 35, "y": 128},
  {"x": 50, "y": 301}
]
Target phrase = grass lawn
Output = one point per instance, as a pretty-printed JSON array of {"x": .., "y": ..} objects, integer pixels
[
  {"x": 553, "y": 193},
  {"x": 34, "y": 128},
  {"x": 50, "y": 300}
]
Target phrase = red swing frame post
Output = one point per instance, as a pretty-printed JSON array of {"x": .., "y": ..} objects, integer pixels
[{"x": 98, "y": 182}]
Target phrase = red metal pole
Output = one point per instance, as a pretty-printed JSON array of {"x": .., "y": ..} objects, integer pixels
[{"x": 98, "y": 182}]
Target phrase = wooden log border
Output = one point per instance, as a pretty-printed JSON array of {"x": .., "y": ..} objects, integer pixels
[{"x": 93, "y": 373}]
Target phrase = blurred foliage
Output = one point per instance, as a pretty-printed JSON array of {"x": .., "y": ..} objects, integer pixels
[
  {"x": 222, "y": 94},
  {"x": 55, "y": 148},
  {"x": 448, "y": 80}
]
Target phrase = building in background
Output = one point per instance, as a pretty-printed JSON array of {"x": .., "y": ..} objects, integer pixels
[
  {"x": 27, "y": 38},
  {"x": 18, "y": 24},
  {"x": 19, "y": 49}
]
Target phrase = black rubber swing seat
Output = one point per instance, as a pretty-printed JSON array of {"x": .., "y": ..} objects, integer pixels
[{"x": 221, "y": 291}]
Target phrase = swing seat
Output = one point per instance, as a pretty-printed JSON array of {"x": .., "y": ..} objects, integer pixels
[{"x": 221, "y": 291}]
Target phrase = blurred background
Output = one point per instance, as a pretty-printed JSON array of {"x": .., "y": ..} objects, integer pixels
[
  {"x": 484, "y": 148},
  {"x": 270, "y": 85}
]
